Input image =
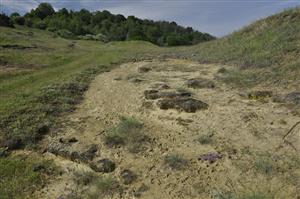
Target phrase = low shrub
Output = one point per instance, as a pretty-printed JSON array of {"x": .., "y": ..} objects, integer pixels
[
  {"x": 127, "y": 132},
  {"x": 176, "y": 161}
]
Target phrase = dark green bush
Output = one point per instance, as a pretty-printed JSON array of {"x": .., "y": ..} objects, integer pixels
[{"x": 5, "y": 21}]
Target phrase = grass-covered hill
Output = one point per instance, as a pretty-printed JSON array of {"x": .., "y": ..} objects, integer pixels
[
  {"x": 266, "y": 51},
  {"x": 104, "y": 26},
  {"x": 43, "y": 76}
]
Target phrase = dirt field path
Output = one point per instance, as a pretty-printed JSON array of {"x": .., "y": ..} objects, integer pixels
[{"x": 244, "y": 135}]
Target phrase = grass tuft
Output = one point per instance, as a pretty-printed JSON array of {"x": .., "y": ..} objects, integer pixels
[
  {"x": 176, "y": 161},
  {"x": 129, "y": 131}
]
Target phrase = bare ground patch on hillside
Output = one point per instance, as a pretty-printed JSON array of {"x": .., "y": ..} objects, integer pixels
[{"x": 232, "y": 147}]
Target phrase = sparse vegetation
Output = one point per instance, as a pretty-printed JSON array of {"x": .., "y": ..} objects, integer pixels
[
  {"x": 182, "y": 90},
  {"x": 244, "y": 196},
  {"x": 205, "y": 139},
  {"x": 33, "y": 97},
  {"x": 106, "y": 184},
  {"x": 20, "y": 177},
  {"x": 264, "y": 166},
  {"x": 176, "y": 161},
  {"x": 265, "y": 51},
  {"x": 96, "y": 186},
  {"x": 128, "y": 132}
]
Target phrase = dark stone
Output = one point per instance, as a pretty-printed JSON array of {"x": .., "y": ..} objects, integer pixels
[
  {"x": 293, "y": 97},
  {"x": 278, "y": 99},
  {"x": 210, "y": 157},
  {"x": 259, "y": 94},
  {"x": 75, "y": 156},
  {"x": 128, "y": 176},
  {"x": 151, "y": 94},
  {"x": 104, "y": 165},
  {"x": 161, "y": 86},
  {"x": 3, "y": 152},
  {"x": 38, "y": 167},
  {"x": 136, "y": 80},
  {"x": 90, "y": 153},
  {"x": 155, "y": 94},
  {"x": 174, "y": 94},
  {"x": 143, "y": 188},
  {"x": 61, "y": 149},
  {"x": 12, "y": 143},
  {"x": 72, "y": 140},
  {"x": 188, "y": 105},
  {"x": 118, "y": 78},
  {"x": 200, "y": 83},
  {"x": 17, "y": 47},
  {"x": 42, "y": 130},
  {"x": 144, "y": 69},
  {"x": 192, "y": 105}
]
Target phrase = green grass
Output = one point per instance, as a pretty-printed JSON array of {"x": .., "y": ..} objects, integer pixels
[
  {"x": 40, "y": 84},
  {"x": 265, "y": 51},
  {"x": 50, "y": 80},
  {"x": 18, "y": 177}
]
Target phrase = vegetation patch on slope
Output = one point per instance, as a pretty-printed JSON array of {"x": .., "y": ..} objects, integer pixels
[
  {"x": 32, "y": 97},
  {"x": 267, "y": 50},
  {"x": 20, "y": 177},
  {"x": 105, "y": 26}
]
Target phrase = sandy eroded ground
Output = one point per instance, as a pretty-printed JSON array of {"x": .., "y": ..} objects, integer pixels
[{"x": 246, "y": 133}]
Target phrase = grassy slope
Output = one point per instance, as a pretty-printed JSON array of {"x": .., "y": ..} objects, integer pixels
[
  {"x": 52, "y": 62},
  {"x": 24, "y": 103},
  {"x": 38, "y": 85},
  {"x": 268, "y": 49}
]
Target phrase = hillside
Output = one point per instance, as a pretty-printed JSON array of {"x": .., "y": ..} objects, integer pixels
[
  {"x": 104, "y": 26},
  {"x": 129, "y": 119},
  {"x": 266, "y": 51}
]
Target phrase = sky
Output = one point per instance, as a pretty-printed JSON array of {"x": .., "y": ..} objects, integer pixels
[{"x": 217, "y": 17}]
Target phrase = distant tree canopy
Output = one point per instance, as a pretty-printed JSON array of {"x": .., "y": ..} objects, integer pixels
[
  {"x": 84, "y": 24},
  {"x": 5, "y": 21}
]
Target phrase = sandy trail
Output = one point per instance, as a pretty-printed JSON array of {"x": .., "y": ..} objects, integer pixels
[{"x": 242, "y": 131}]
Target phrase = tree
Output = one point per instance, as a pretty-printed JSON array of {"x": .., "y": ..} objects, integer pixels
[
  {"x": 14, "y": 14},
  {"x": 63, "y": 12},
  {"x": 44, "y": 10},
  {"x": 5, "y": 21},
  {"x": 19, "y": 20},
  {"x": 85, "y": 16},
  {"x": 109, "y": 26},
  {"x": 173, "y": 40}
]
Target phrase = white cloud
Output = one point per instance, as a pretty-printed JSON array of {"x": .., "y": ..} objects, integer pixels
[{"x": 18, "y": 5}]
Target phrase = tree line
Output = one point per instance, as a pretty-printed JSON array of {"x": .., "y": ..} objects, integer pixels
[{"x": 104, "y": 26}]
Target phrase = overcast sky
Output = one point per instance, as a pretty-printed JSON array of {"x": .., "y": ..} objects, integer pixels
[{"x": 218, "y": 17}]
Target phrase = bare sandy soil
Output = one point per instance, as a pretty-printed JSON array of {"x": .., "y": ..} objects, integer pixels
[{"x": 247, "y": 136}]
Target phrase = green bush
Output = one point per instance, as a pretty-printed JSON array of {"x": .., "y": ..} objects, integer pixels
[
  {"x": 65, "y": 34},
  {"x": 5, "y": 21},
  {"x": 19, "y": 20}
]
